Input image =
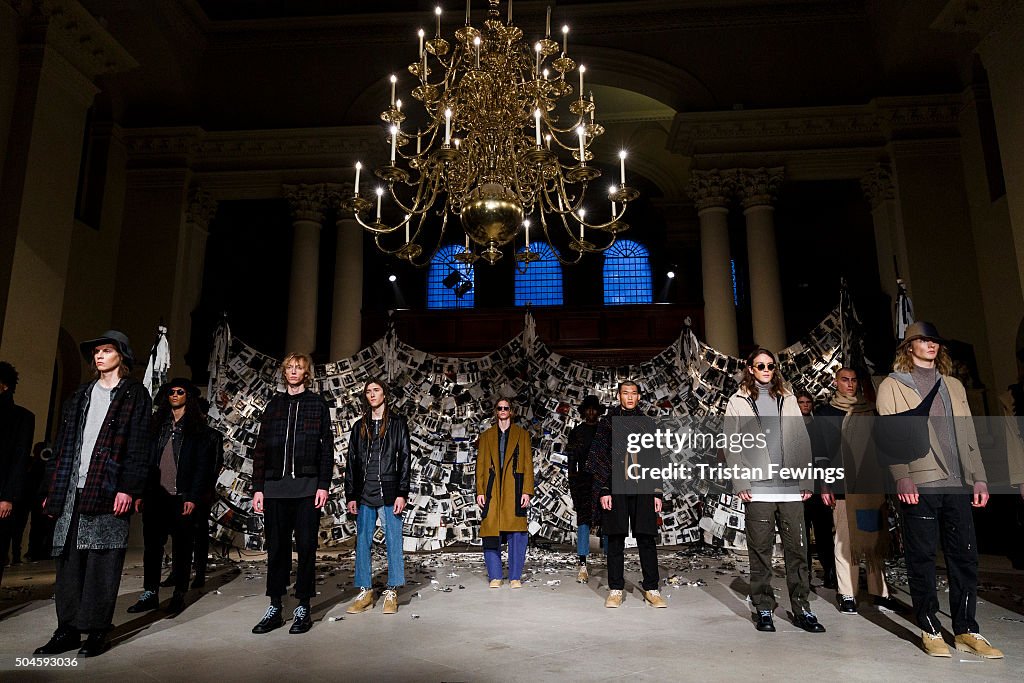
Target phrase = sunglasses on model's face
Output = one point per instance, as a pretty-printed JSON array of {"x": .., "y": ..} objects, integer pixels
[
  {"x": 503, "y": 409},
  {"x": 176, "y": 392},
  {"x": 764, "y": 366}
]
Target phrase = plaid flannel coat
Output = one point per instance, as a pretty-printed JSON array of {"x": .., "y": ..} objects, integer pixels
[{"x": 121, "y": 458}]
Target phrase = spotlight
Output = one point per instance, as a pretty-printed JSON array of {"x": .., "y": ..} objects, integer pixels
[
  {"x": 671, "y": 274},
  {"x": 392, "y": 278}
]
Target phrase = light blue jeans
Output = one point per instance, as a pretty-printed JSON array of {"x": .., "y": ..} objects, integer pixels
[{"x": 366, "y": 524}]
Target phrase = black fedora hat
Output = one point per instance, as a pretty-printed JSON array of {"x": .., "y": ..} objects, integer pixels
[
  {"x": 591, "y": 402},
  {"x": 115, "y": 337}
]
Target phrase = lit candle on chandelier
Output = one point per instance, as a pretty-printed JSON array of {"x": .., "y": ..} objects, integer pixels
[
  {"x": 380, "y": 193},
  {"x": 582, "y": 71},
  {"x": 565, "y": 39},
  {"x": 582, "y": 132},
  {"x": 394, "y": 143},
  {"x": 394, "y": 79},
  {"x": 407, "y": 229},
  {"x": 526, "y": 224},
  {"x": 359, "y": 167},
  {"x": 622, "y": 167},
  {"x": 581, "y": 214},
  {"x": 612, "y": 190},
  {"x": 447, "y": 126},
  {"x": 536, "y": 118},
  {"x": 437, "y": 13},
  {"x": 593, "y": 108},
  {"x": 476, "y": 43},
  {"x": 547, "y": 141},
  {"x": 467, "y": 242},
  {"x": 547, "y": 29},
  {"x": 537, "y": 48},
  {"x": 419, "y": 140},
  {"x": 421, "y": 33}
]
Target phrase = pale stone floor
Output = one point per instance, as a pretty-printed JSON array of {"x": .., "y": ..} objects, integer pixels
[{"x": 546, "y": 631}]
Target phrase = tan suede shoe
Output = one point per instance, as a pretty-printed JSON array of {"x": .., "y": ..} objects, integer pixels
[
  {"x": 584, "y": 575},
  {"x": 390, "y": 602},
  {"x": 654, "y": 598},
  {"x": 515, "y": 583},
  {"x": 364, "y": 601},
  {"x": 977, "y": 644},
  {"x": 495, "y": 583},
  {"x": 614, "y": 599},
  {"x": 934, "y": 645}
]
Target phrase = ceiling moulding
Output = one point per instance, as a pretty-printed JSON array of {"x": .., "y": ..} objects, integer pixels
[
  {"x": 77, "y": 35},
  {"x": 248, "y": 150},
  {"x": 625, "y": 18},
  {"x": 868, "y": 125}
]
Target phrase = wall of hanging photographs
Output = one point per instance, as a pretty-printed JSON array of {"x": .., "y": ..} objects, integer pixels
[{"x": 449, "y": 402}]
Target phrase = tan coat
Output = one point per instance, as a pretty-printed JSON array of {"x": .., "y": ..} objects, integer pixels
[
  {"x": 1014, "y": 440},
  {"x": 503, "y": 489},
  {"x": 895, "y": 396}
]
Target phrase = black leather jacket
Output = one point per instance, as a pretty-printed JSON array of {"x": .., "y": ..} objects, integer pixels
[{"x": 395, "y": 465}]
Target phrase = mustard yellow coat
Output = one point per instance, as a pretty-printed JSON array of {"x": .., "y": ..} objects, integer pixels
[{"x": 503, "y": 489}]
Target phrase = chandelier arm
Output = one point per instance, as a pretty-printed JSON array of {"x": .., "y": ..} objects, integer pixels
[
  {"x": 437, "y": 247},
  {"x": 556, "y": 250},
  {"x": 386, "y": 230}
]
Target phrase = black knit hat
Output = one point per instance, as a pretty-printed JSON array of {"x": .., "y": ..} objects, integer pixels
[{"x": 115, "y": 337}]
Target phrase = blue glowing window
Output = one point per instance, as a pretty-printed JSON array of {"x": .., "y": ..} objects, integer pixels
[
  {"x": 627, "y": 274},
  {"x": 449, "y": 283},
  {"x": 541, "y": 284}
]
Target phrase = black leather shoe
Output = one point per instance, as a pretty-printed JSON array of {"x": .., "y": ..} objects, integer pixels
[
  {"x": 177, "y": 603},
  {"x": 764, "y": 621},
  {"x": 169, "y": 581},
  {"x": 847, "y": 605},
  {"x": 302, "y": 622},
  {"x": 149, "y": 600},
  {"x": 889, "y": 604},
  {"x": 808, "y": 622},
  {"x": 95, "y": 645},
  {"x": 271, "y": 620},
  {"x": 62, "y": 641},
  {"x": 199, "y": 581}
]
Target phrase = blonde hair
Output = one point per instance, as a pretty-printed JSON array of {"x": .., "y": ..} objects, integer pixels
[
  {"x": 904, "y": 361},
  {"x": 306, "y": 360}
]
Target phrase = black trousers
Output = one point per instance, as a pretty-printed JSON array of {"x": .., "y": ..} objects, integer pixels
[
  {"x": 6, "y": 533},
  {"x": 161, "y": 517},
  {"x": 645, "y": 544},
  {"x": 945, "y": 518},
  {"x": 201, "y": 537},
  {"x": 40, "y": 532},
  {"x": 818, "y": 516},
  {"x": 87, "y": 583},
  {"x": 761, "y": 520},
  {"x": 282, "y": 517}
]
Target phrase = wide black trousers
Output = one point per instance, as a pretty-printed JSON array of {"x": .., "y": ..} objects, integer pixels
[
  {"x": 282, "y": 517},
  {"x": 87, "y": 583},
  {"x": 645, "y": 543}
]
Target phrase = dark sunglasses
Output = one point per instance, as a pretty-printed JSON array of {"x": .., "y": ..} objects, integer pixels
[
  {"x": 764, "y": 366},
  {"x": 177, "y": 392},
  {"x": 503, "y": 409}
]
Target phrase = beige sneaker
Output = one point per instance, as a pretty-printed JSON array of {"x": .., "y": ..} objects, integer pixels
[
  {"x": 584, "y": 575},
  {"x": 390, "y": 601},
  {"x": 614, "y": 599},
  {"x": 977, "y": 644},
  {"x": 934, "y": 645},
  {"x": 515, "y": 583},
  {"x": 495, "y": 583},
  {"x": 654, "y": 598},
  {"x": 364, "y": 601}
]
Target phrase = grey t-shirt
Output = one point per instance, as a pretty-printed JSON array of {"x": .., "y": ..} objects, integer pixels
[{"x": 99, "y": 403}]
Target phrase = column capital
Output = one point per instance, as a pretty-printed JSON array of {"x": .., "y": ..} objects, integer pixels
[
  {"x": 307, "y": 202},
  {"x": 200, "y": 209},
  {"x": 758, "y": 186},
  {"x": 711, "y": 189},
  {"x": 878, "y": 185},
  {"x": 335, "y": 194}
]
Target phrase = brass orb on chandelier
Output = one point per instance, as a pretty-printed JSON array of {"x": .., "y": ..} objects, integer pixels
[{"x": 494, "y": 150}]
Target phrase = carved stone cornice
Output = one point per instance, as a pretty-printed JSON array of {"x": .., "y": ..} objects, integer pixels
[
  {"x": 307, "y": 202},
  {"x": 711, "y": 189},
  {"x": 878, "y": 185},
  {"x": 200, "y": 209},
  {"x": 79, "y": 37},
  {"x": 976, "y": 16},
  {"x": 758, "y": 186}
]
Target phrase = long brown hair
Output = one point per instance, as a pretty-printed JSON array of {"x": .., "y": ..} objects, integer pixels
[
  {"x": 749, "y": 384},
  {"x": 904, "y": 361},
  {"x": 368, "y": 411}
]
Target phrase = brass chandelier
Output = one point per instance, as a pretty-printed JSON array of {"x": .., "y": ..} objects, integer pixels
[{"x": 489, "y": 152}]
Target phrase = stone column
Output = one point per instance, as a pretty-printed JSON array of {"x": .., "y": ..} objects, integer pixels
[
  {"x": 879, "y": 188},
  {"x": 710, "y": 191},
  {"x": 307, "y": 202},
  {"x": 756, "y": 189},
  {"x": 346, "y": 313},
  {"x": 188, "y": 281},
  {"x": 61, "y": 51}
]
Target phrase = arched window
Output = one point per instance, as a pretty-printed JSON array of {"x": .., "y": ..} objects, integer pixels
[
  {"x": 449, "y": 283},
  {"x": 541, "y": 284},
  {"x": 627, "y": 274}
]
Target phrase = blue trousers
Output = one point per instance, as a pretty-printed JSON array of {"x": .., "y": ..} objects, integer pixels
[
  {"x": 516, "y": 557},
  {"x": 583, "y": 540},
  {"x": 366, "y": 524}
]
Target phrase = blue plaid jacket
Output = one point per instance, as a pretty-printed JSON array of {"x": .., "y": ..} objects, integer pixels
[{"x": 121, "y": 458}]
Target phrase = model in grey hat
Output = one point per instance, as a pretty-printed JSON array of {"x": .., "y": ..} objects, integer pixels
[{"x": 117, "y": 339}]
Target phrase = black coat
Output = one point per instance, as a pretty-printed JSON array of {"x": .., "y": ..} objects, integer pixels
[
  {"x": 395, "y": 465},
  {"x": 17, "y": 425},
  {"x": 608, "y": 463},
  {"x": 200, "y": 451},
  {"x": 580, "y": 479},
  {"x": 313, "y": 440}
]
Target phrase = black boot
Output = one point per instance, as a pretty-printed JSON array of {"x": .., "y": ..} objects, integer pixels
[
  {"x": 63, "y": 640},
  {"x": 96, "y": 644},
  {"x": 271, "y": 620},
  {"x": 149, "y": 600},
  {"x": 200, "y": 580},
  {"x": 302, "y": 622}
]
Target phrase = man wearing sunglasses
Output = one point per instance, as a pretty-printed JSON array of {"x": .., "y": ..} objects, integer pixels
[{"x": 184, "y": 450}]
